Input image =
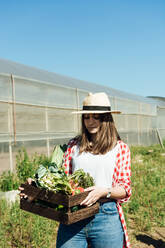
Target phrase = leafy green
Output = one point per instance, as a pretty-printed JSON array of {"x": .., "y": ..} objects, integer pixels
[
  {"x": 58, "y": 153},
  {"x": 41, "y": 171},
  {"x": 53, "y": 176},
  {"x": 83, "y": 179}
]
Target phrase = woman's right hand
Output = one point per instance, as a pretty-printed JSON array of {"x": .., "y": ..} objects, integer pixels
[{"x": 22, "y": 195}]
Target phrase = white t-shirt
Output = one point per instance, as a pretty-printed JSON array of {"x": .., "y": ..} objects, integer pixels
[{"x": 100, "y": 167}]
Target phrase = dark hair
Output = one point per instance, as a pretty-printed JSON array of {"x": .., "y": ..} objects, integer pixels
[{"x": 106, "y": 138}]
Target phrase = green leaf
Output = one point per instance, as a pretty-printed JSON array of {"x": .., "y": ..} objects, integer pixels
[
  {"x": 41, "y": 171},
  {"x": 57, "y": 156}
]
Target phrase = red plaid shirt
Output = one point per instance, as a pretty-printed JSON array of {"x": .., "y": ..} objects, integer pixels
[{"x": 121, "y": 176}]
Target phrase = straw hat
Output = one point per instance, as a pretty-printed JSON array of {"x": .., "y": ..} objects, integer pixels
[{"x": 96, "y": 103}]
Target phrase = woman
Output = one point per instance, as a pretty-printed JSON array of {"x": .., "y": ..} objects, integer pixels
[{"x": 99, "y": 151}]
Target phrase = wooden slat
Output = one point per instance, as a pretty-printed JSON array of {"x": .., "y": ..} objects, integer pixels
[
  {"x": 49, "y": 196},
  {"x": 43, "y": 211},
  {"x": 65, "y": 218},
  {"x": 83, "y": 213}
]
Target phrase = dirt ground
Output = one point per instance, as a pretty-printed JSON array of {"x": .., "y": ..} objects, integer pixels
[{"x": 154, "y": 239}]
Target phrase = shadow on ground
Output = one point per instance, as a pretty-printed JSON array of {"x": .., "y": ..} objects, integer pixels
[{"x": 156, "y": 243}]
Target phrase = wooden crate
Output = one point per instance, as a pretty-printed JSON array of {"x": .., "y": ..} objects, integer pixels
[{"x": 37, "y": 195}]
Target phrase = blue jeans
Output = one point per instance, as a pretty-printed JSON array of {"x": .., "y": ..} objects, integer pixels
[{"x": 104, "y": 230}]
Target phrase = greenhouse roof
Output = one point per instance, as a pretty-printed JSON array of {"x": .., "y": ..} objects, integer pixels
[
  {"x": 17, "y": 69},
  {"x": 160, "y": 98}
]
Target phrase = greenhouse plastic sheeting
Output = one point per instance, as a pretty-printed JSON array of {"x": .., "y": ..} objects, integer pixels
[
  {"x": 37, "y": 93},
  {"x": 161, "y": 121},
  {"x": 38, "y": 115}
]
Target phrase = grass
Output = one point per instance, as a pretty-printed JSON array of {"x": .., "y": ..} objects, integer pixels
[
  {"x": 144, "y": 212},
  {"x": 20, "y": 229}
]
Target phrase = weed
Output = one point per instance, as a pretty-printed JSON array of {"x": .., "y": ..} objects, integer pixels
[
  {"x": 8, "y": 181},
  {"x": 26, "y": 166}
]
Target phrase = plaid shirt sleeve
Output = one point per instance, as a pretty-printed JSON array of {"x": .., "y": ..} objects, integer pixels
[
  {"x": 68, "y": 156},
  {"x": 122, "y": 177},
  {"x": 122, "y": 172}
]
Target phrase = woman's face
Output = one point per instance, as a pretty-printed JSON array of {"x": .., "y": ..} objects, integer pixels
[{"x": 92, "y": 123}]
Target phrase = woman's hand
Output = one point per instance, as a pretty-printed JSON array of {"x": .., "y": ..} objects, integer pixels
[
  {"x": 95, "y": 194},
  {"x": 22, "y": 195}
]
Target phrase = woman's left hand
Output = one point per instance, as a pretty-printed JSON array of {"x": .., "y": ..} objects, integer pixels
[{"x": 95, "y": 194}]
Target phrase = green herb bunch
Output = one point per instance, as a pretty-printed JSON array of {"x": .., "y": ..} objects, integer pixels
[{"x": 82, "y": 179}]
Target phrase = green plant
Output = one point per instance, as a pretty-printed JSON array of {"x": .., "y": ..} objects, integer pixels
[
  {"x": 26, "y": 165},
  {"x": 164, "y": 142},
  {"x": 82, "y": 179},
  {"x": 8, "y": 181}
]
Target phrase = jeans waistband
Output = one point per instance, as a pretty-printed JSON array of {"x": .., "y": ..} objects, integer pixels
[{"x": 103, "y": 200}]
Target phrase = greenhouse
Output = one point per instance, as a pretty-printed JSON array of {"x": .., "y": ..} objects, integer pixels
[{"x": 36, "y": 111}]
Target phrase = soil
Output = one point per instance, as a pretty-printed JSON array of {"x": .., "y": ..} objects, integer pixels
[{"x": 154, "y": 239}]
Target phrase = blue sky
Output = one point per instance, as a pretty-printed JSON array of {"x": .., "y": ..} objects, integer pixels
[{"x": 117, "y": 43}]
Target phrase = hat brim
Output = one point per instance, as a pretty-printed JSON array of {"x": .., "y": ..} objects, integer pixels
[{"x": 96, "y": 112}]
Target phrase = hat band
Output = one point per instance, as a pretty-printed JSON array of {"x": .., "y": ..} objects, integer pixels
[{"x": 103, "y": 108}]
